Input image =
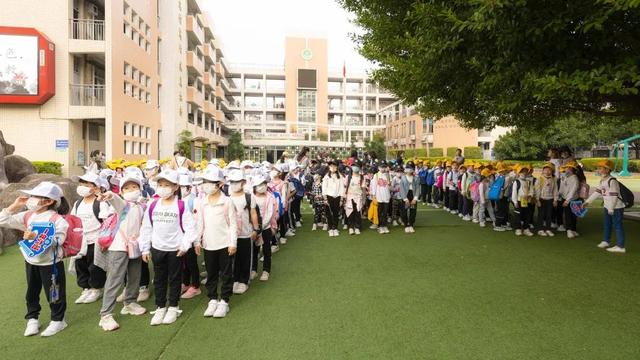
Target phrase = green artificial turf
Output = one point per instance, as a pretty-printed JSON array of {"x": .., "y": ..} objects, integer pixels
[{"x": 450, "y": 291}]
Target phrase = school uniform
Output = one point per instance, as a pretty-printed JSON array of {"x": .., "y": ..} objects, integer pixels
[
  {"x": 282, "y": 188},
  {"x": 484, "y": 205},
  {"x": 242, "y": 261},
  {"x": 268, "y": 207},
  {"x": 190, "y": 269},
  {"x": 546, "y": 190},
  {"x": 452, "y": 185},
  {"x": 89, "y": 273},
  {"x": 333, "y": 191},
  {"x": 568, "y": 191},
  {"x": 397, "y": 204},
  {"x": 521, "y": 195},
  {"x": 410, "y": 189},
  {"x": 502, "y": 204},
  {"x": 381, "y": 191}
]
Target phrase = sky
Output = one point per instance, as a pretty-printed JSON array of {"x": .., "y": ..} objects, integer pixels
[{"x": 253, "y": 31}]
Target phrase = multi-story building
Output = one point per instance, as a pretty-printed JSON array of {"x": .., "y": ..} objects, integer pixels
[
  {"x": 303, "y": 103},
  {"x": 106, "y": 82},
  {"x": 193, "y": 89},
  {"x": 407, "y": 129}
]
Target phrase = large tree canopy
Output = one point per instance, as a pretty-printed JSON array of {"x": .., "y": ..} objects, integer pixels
[{"x": 505, "y": 62}]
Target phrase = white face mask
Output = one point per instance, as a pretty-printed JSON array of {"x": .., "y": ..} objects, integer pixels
[
  {"x": 33, "y": 204},
  {"x": 132, "y": 195},
  {"x": 164, "y": 192},
  {"x": 83, "y": 190},
  {"x": 210, "y": 189},
  {"x": 184, "y": 192},
  {"x": 273, "y": 174},
  {"x": 235, "y": 187},
  {"x": 262, "y": 188}
]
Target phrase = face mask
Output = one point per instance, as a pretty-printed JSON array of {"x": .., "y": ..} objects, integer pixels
[
  {"x": 408, "y": 171},
  {"x": 262, "y": 188},
  {"x": 33, "y": 204},
  {"x": 355, "y": 169},
  {"x": 273, "y": 174},
  {"x": 247, "y": 171},
  {"x": 235, "y": 187},
  {"x": 184, "y": 192},
  {"x": 165, "y": 192},
  {"x": 83, "y": 190},
  {"x": 333, "y": 169},
  {"x": 210, "y": 189},
  {"x": 132, "y": 195}
]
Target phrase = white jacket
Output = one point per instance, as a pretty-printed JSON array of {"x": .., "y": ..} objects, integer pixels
[{"x": 165, "y": 234}]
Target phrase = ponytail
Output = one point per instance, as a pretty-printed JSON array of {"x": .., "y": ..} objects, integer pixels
[{"x": 63, "y": 208}]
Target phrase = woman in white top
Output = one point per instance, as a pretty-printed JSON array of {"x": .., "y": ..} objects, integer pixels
[
  {"x": 355, "y": 189},
  {"x": 333, "y": 193}
]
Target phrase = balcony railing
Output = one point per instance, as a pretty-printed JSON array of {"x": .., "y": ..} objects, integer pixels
[
  {"x": 84, "y": 29},
  {"x": 87, "y": 95}
]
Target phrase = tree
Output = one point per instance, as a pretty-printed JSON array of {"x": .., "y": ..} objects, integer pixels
[
  {"x": 375, "y": 147},
  {"x": 184, "y": 142},
  {"x": 235, "y": 150},
  {"x": 508, "y": 62}
]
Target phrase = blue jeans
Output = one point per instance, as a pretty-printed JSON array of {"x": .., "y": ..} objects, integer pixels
[{"x": 614, "y": 220}]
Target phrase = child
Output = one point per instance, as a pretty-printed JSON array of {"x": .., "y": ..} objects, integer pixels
[
  {"x": 521, "y": 196},
  {"x": 190, "y": 271},
  {"x": 474, "y": 195},
  {"x": 609, "y": 190},
  {"x": 123, "y": 255},
  {"x": 397, "y": 205},
  {"x": 280, "y": 187},
  {"x": 438, "y": 185},
  {"x": 167, "y": 232},
  {"x": 90, "y": 277},
  {"x": 381, "y": 191},
  {"x": 217, "y": 228},
  {"x": 318, "y": 203},
  {"x": 502, "y": 204},
  {"x": 452, "y": 185},
  {"x": 333, "y": 193},
  {"x": 267, "y": 207},
  {"x": 410, "y": 192},
  {"x": 467, "y": 179},
  {"x": 568, "y": 192},
  {"x": 248, "y": 229},
  {"x": 546, "y": 190},
  {"x": 485, "y": 205},
  {"x": 355, "y": 190},
  {"x": 43, "y": 203},
  {"x": 462, "y": 178}
]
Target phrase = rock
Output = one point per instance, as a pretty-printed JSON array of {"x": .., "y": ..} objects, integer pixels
[
  {"x": 5, "y": 149},
  {"x": 17, "y": 167},
  {"x": 9, "y": 237}
]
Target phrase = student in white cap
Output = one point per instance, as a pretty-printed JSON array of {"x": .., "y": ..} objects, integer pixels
[
  {"x": 90, "y": 277},
  {"x": 280, "y": 188},
  {"x": 190, "y": 271},
  {"x": 217, "y": 228},
  {"x": 267, "y": 208},
  {"x": 123, "y": 253},
  {"x": 151, "y": 169},
  {"x": 167, "y": 233},
  {"x": 248, "y": 229},
  {"x": 44, "y": 203}
]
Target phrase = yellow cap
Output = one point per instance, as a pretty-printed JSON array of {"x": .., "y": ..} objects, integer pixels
[
  {"x": 605, "y": 164},
  {"x": 486, "y": 172}
]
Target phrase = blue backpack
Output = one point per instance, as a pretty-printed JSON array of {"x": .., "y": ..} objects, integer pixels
[
  {"x": 431, "y": 177},
  {"x": 280, "y": 204},
  {"x": 496, "y": 188}
]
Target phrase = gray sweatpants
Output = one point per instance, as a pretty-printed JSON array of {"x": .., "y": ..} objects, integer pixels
[
  {"x": 119, "y": 265},
  {"x": 481, "y": 209}
]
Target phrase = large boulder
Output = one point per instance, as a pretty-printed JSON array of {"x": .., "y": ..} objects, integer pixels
[
  {"x": 5, "y": 149},
  {"x": 17, "y": 167}
]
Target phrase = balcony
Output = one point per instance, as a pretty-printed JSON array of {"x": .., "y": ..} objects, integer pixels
[
  {"x": 209, "y": 53},
  {"x": 209, "y": 108},
  {"x": 194, "y": 62},
  {"x": 219, "y": 92},
  {"x": 87, "y": 101},
  {"x": 220, "y": 69},
  {"x": 209, "y": 79},
  {"x": 219, "y": 115},
  {"x": 86, "y": 36},
  {"x": 194, "y": 30},
  {"x": 194, "y": 96}
]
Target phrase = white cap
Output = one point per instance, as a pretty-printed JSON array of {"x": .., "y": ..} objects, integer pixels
[
  {"x": 215, "y": 162},
  {"x": 151, "y": 164},
  {"x": 281, "y": 167},
  {"x": 171, "y": 176},
  {"x": 246, "y": 163},
  {"x": 130, "y": 178},
  {"x": 47, "y": 190},
  {"x": 105, "y": 173},
  {"x": 133, "y": 171},
  {"x": 89, "y": 177},
  {"x": 104, "y": 183},
  {"x": 233, "y": 165},
  {"x": 183, "y": 171},
  {"x": 235, "y": 175},
  {"x": 257, "y": 180},
  {"x": 185, "y": 180},
  {"x": 212, "y": 174}
]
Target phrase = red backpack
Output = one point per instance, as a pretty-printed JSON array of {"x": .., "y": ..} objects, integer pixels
[{"x": 73, "y": 241}]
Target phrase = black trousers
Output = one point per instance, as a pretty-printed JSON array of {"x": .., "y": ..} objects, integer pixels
[
  {"x": 423, "y": 193},
  {"x": 219, "y": 267},
  {"x": 445, "y": 197},
  {"x": 453, "y": 200},
  {"x": 333, "y": 213},
  {"x": 190, "y": 270},
  {"x": 145, "y": 277},
  {"x": 167, "y": 275},
  {"x": 355, "y": 219},
  {"x": 242, "y": 261},
  {"x": 383, "y": 213},
  {"x": 267, "y": 237},
  {"x": 436, "y": 195},
  {"x": 502, "y": 212},
  {"x": 570, "y": 220},
  {"x": 545, "y": 214},
  {"x": 521, "y": 220},
  {"x": 295, "y": 209},
  {"x": 39, "y": 277},
  {"x": 89, "y": 275},
  {"x": 409, "y": 212}
]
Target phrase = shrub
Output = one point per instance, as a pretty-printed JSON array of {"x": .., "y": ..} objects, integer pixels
[
  {"x": 451, "y": 151},
  {"x": 420, "y": 153},
  {"x": 472, "y": 152},
  {"x": 409, "y": 153},
  {"x": 48, "y": 167},
  {"x": 590, "y": 164},
  {"x": 436, "y": 152}
]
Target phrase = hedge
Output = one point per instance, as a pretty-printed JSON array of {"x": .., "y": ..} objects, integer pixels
[
  {"x": 436, "y": 152},
  {"x": 590, "y": 164},
  {"x": 451, "y": 151},
  {"x": 472, "y": 152},
  {"x": 48, "y": 167}
]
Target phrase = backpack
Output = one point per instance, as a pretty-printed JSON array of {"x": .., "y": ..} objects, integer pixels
[
  {"x": 496, "y": 188},
  {"x": 440, "y": 181},
  {"x": 110, "y": 227},
  {"x": 583, "y": 191},
  {"x": 625, "y": 195},
  {"x": 475, "y": 191},
  {"x": 180, "y": 212},
  {"x": 430, "y": 178},
  {"x": 96, "y": 209},
  {"x": 73, "y": 241},
  {"x": 280, "y": 204}
]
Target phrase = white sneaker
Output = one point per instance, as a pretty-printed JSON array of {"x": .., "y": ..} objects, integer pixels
[
  {"x": 133, "y": 309},
  {"x": 108, "y": 323},
  {"x": 518, "y": 232},
  {"x": 499, "y": 228},
  {"x": 254, "y": 275},
  {"x": 172, "y": 315},
  {"x": 33, "y": 327},
  {"x": 603, "y": 245},
  {"x": 406, "y": 230},
  {"x": 344, "y": 227},
  {"x": 351, "y": 231},
  {"x": 542, "y": 233},
  {"x": 283, "y": 240},
  {"x": 454, "y": 212},
  {"x": 373, "y": 227},
  {"x": 386, "y": 230},
  {"x": 82, "y": 297},
  {"x": 241, "y": 289},
  {"x": 203, "y": 281},
  {"x": 561, "y": 228},
  {"x": 325, "y": 227},
  {"x": 475, "y": 221},
  {"x": 357, "y": 231},
  {"x": 570, "y": 234},
  {"x": 143, "y": 295},
  {"x": 120, "y": 297},
  {"x": 298, "y": 224},
  {"x": 314, "y": 227},
  {"x": 508, "y": 228},
  {"x": 483, "y": 224},
  {"x": 275, "y": 248},
  {"x": 336, "y": 233},
  {"x": 290, "y": 233},
  {"x": 54, "y": 328},
  {"x": 551, "y": 233},
  {"x": 395, "y": 223},
  {"x": 466, "y": 218},
  {"x": 94, "y": 295},
  {"x": 460, "y": 216},
  {"x": 380, "y": 230},
  {"x": 527, "y": 232},
  {"x": 221, "y": 310},
  {"x": 211, "y": 308},
  {"x": 554, "y": 225},
  {"x": 616, "y": 249},
  {"x": 412, "y": 229},
  {"x": 158, "y": 316},
  {"x": 235, "y": 286},
  {"x": 264, "y": 276}
]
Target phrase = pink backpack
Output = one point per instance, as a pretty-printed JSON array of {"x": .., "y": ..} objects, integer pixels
[
  {"x": 73, "y": 241},
  {"x": 109, "y": 228},
  {"x": 583, "y": 192},
  {"x": 475, "y": 191},
  {"x": 440, "y": 181}
]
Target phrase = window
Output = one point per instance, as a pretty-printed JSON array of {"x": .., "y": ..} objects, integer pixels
[
  {"x": 134, "y": 35},
  {"x": 275, "y": 84},
  {"x": 275, "y": 102},
  {"x": 141, "y": 96},
  {"x": 354, "y": 120},
  {"x": 148, "y": 97},
  {"x": 354, "y": 104},
  {"x": 354, "y": 87},
  {"x": 94, "y": 132},
  {"x": 336, "y": 135},
  {"x": 307, "y": 106},
  {"x": 140, "y": 148},
  {"x": 335, "y": 119},
  {"x": 127, "y": 147},
  {"x": 125, "y": 29},
  {"x": 253, "y": 102},
  {"x": 125, "y": 9},
  {"x": 125, "y": 128},
  {"x": 134, "y": 74},
  {"x": 253, "y": 116},
  {"x": 335, "y": 86},
  {"x": 253, "y": 84},
  {"x": 126, "y": 69},
  {"x": 335, "y": 104},
  {"x": 148, "y": 150},
  {"x": 148, "y": 135}
]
